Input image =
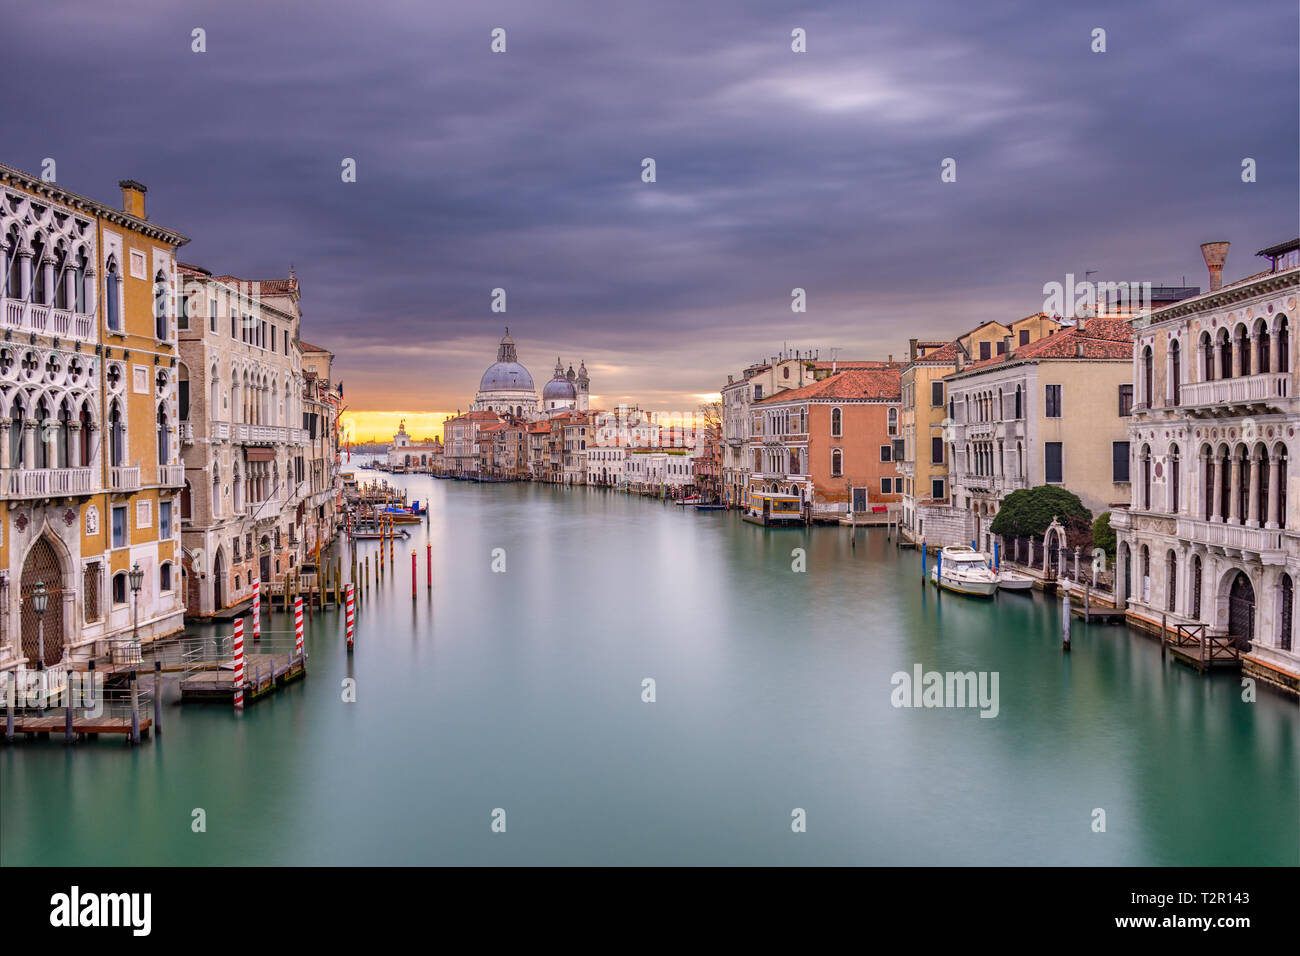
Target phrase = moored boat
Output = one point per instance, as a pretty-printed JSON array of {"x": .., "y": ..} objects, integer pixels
[
  {"x": 1014, "y": 581},
  {"x": 774, "y": 510},
  {"x": 964, "y": 571}
]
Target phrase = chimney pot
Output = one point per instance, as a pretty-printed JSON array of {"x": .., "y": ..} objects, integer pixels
[
  {"x": 1215, "y": 255},
  {"x": 133, "y": 198},
  {"x": 911, "y": 349}
]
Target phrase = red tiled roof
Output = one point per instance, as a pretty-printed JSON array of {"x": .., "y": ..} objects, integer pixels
[
  {"x": 880, "y": 384},
  {"x": 1105, "y": 339},
  {"x": 308, "y": 347}
]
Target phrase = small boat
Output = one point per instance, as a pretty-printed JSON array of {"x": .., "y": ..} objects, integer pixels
[
  {"x": 965, "y": 571},
  {"x": 701, "y": 507},
  {"x": 689, "y": 500},
  {"x": 1014, "y": 581}
]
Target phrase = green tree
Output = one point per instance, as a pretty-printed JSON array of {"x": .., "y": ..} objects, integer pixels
[
  {"x": 1028, "y": 512},
  {"x": 1103, "y": 535}
]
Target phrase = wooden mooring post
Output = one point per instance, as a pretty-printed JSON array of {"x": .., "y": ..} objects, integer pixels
[
  {"x": 135, "y": 707},
  {"x": 11, "y": 689},
  {"x": 1065, "y": 619}
]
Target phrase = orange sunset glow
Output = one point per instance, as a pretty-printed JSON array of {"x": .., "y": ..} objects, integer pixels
[{"x": 371, "y": 426}]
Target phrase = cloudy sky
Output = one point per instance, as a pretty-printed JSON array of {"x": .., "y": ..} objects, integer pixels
[{"x": 775, "y": 169}]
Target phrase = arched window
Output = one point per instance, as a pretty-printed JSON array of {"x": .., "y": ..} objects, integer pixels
[
  {"x": 1283, "y": 345},
  {"x": 13, "y": 277},
  {"x": 1146, "y": 477},
  {"x": 1175, "y": 372},
  {"x": 1148, "y": 370},
  {"x": 837, "y": 423},
  {"x": 1243, "y": 349},
  {"x": 1263, "y": 347},
  {"x": 42, "y": 456},
  {"x": 1207, "y": 357},
  {"x": 1146, "y": 574},
  {"x": 1196, "y": 587},
  {"x": 80, "y": 263},
  {"x": 17, "y": 447},
  {"x": 112, "y": 296},
  {"x": 165, "y": 576},
  {"x": 39, "y": 291},
  {"x": 116, "y": 436},
  {"x": 60, "y": 277},
  {"x": 1171, "y": 581},
  {"x": 1175, "y": 477},
  {"x": 837, "y": 463},
  {"x": 119, "y": 588},
  {"x": 1225, "y": 354},
  {"x": 65, "y": 451},
  {"x": 1018, "y": 412},
  {"x": 87, "y": 419},
  {"x": 1287, "y": 597},
  {"x": 164, "y": 445},
  {"x": 893, "y": 421}
]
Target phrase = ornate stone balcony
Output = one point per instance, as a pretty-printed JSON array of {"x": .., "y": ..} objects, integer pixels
[
  {"x": 47, "y": 482},
  {"x": 171, "y": 476},
  {"x": 124, "y": 477},
  {"x": 1232, "y": 539},
  {"x": 20, "y": 316},
  {"x": 1234, "y": 396}
]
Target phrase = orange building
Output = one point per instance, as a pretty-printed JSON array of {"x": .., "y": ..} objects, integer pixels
[{"x": 831, "y": 443}]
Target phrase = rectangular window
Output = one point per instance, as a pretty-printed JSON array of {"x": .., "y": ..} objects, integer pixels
[
  {"x": 119, "y": 526},
  {"x": 1119, "y": 461},
  {"x": 272, "y": 337},
  {"x": 1053, "y": 402},
  {"x": 164, "y": 519},
  {"x": 212, "y": 315},
  {"x": 183, "y": 319},
  {"x": 936, "y": 488},
  {"x": 1125, "y": 401},
  {"x": 286, "y": 341},
  {"x": 936, "y": 450},
  {"x": 936, "y": 394},
  {"x": 986, "y": 350},
  {"x": 1002, "y": 348},
  {"x": 886, "y": 452},
  {"x": 90, "y": 591},
  {"x": 899, "y": 453},
  {"x": 261, "y": 335},
  {"x": 234, "y": 324},
  {"x": 1024, "y": 336},
  {"x": 886, "y": 486},
  {"x": 758, "y": 392},
  {"x": 1052, "y": 472}
]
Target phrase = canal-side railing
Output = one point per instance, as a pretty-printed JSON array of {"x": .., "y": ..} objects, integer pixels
[{"x": 1196, "y": 640}]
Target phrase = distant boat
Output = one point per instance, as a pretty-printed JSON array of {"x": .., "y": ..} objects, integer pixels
[
  {"x": 688, "y": 500},
  {"x": 964, "y": 571}
]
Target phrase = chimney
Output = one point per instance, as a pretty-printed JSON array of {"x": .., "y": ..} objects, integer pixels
[
  {"x": 1006, "y": 345},
  {"x": 1215, "y": 254},
  {"x": 1080, "y": 324},
  {"x": 911, "y": 349},
  {"x": 891, "y": 358},
  {"x": 133, "y": 198}
]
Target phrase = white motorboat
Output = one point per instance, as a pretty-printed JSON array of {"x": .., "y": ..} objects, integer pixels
[
  {"x": 1015, "y": 581},
  {"x": 964, "y": 571}
]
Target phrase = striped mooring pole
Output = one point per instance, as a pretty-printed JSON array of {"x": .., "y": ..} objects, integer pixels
[
  {"x": 239, "y": 663},
  {"x": 257, "y": 609},
  {"x": 297, "y": 627},
  {"x": 351, "y": 619}
]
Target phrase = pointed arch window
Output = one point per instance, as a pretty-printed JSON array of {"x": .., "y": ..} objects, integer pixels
[{"x": 113, "y": 296}]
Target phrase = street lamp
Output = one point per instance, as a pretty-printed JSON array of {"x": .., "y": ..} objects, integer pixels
[
  {"x": 40, "y": 601},
  {"x": 136, "y": 577}
]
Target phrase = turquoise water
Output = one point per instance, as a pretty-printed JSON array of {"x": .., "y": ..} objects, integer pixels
[{"x": 522, "y": 691}]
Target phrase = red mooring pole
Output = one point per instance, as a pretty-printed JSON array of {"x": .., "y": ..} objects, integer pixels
[
  {"x": 413, "y": 574},
  {"x": 351, "y": 618},
  {"x": 239, "y": 663},
  {"x": 428, "y": 564}
]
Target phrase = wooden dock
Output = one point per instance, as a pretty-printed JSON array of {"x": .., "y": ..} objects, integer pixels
[
  {"x": 81, "y": 726},
  {"x": 263, "y": 673}
]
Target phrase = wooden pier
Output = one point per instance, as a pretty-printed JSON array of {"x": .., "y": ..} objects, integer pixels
[
  {"x": 263, "y": 673},
  {"x": 82, "y": 727}
]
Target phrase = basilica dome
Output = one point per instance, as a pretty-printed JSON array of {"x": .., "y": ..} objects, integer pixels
[{"x": 506, "y": 374}]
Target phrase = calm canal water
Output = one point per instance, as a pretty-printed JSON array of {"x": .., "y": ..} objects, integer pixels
[{"x": 522, "y": 690}]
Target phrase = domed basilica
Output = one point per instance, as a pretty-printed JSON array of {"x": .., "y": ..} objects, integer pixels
[{"x": 507, "y": 389}]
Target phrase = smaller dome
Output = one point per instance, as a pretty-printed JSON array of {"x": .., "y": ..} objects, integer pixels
[{"x": 559, "y": 389}]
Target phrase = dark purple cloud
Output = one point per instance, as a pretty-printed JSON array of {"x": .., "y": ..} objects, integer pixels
[{"x": 775, "y": 170}]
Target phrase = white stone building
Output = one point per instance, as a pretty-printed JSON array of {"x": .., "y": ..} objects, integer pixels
[{"x": 1212, "y": 534}]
